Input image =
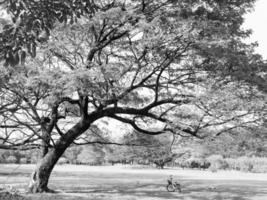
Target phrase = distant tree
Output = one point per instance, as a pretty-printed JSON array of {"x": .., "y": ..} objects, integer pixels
[
  {"x": 143, "y": 63},
  {"x": 237, "y": 143},
  {"x": 5, "y": 154},
  {"x": 151, "y": 149},
  {"x": 118, "y": 154},
  {"x": 2, "y": 158},
  {"x": 34, "y": 156},
  {"x": 92, "y": 155},
  {"x": 72, "y": 154},
  {"x": 23, "y": 161},
  {"x": 62, "y": 161},
  {"x": 11, "y": 159}
]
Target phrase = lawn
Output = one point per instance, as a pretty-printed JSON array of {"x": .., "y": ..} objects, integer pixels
[{"x": 128, "y": 183}]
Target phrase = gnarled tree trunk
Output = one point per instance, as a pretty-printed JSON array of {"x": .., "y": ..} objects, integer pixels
[{"x": 40, "y": 177}]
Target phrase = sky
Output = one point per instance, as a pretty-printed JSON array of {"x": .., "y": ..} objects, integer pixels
[{"x": 257, "y": 21}]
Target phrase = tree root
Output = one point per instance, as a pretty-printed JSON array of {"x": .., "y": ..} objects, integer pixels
[{"x": 34, "y": 188}]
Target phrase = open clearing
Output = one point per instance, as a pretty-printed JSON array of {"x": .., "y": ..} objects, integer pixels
[{"x": 128, "y": 183}]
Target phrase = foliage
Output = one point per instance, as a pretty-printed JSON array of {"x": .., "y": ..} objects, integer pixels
[
  {"x": 149, "y": 149},
  {"x": 32, "y": 23},
  {"x": 92, "y": 155},
  {"x": 194, "y": 163},
  {"x": 168, "y": 55},
  {"x": 238, "y": 143},
  {"x": 159, "y": 66},
  {"x": 72, "y": 154},
  {"x": 62, "y": 161},
  {"x": 2, "y": 159},
  {"x": 217, "y": 162},
  {"x": 23, "y": 161},
  {"x": 11, "y": 159},
  {"x": 118, "y": 154},
  {"x": 30, "y": 156},
  {"x": 248, "y": 164}
]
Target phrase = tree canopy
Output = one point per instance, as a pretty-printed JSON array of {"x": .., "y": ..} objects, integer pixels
[{"x": 158, "y": 66}]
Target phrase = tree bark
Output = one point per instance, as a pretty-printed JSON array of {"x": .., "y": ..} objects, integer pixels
[
  {"x": 40, "y": 177},
  {"x": 47, "y": 126},
  {"x": 45, "y": 143}
]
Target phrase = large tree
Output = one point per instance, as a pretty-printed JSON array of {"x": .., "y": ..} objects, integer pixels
[{"x": 139, "y": 62}]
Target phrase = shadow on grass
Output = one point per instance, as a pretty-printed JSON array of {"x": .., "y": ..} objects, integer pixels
[
  {"x": 140, "y": 190},
  {"x": 193, "y": 192},
  {"x": 7, "y": 174}
]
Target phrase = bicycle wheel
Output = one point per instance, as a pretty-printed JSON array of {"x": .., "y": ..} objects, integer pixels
[
  {"x": 178, "y": 187},
  {"x": 170, "y": 188}
]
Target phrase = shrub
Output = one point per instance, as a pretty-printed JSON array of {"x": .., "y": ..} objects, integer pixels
[
  {"x": 199, "y": 163},
  {"x": 213, "y": 169},
  {"x": 217, "y": 162},
  {"x": 23, "y": 160},
  {"x": 245, "y": 164},
  {"x": 63, "y": 161},
  {"x": 248, "y": 164},
  {"x": 253, "y": 164},
  {"x": 259, "y": 168},
  {"x": 232, "y": 164},
  {"x": 11, "y": 159}
]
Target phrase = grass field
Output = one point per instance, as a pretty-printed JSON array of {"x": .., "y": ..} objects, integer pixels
[{"x": 128, "y": 183}]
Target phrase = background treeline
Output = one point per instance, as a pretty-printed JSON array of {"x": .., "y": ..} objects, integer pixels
[
  {"x": 86, "y": 155},
  {"x": 233, "y": 151}
]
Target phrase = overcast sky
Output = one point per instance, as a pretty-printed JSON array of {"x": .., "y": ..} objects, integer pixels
[{"x": 257, "y": 21}]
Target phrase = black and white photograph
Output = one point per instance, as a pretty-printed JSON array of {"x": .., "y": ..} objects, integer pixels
[{"x": 133, "y": 99}]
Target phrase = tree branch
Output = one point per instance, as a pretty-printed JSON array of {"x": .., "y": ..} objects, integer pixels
[{"x": 135, "y": 126}]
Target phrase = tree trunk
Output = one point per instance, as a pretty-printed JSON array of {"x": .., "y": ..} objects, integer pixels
[
  {"x": 159, "y": 164},
  {"x": 45, "y": 143},
  {"x": 40, "y": 177},
  {"x": 46, "y": 129}
]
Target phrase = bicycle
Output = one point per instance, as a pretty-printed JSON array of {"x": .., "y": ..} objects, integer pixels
[{"x": 172, "y": 187}]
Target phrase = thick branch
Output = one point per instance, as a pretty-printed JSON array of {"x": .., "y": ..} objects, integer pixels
[{"x": 135, "y": 126}]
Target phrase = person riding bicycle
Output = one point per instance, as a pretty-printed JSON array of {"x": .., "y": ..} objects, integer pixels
[
  {"x": 170, "y": 180},
  {"x": 172, "y": 186}
]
